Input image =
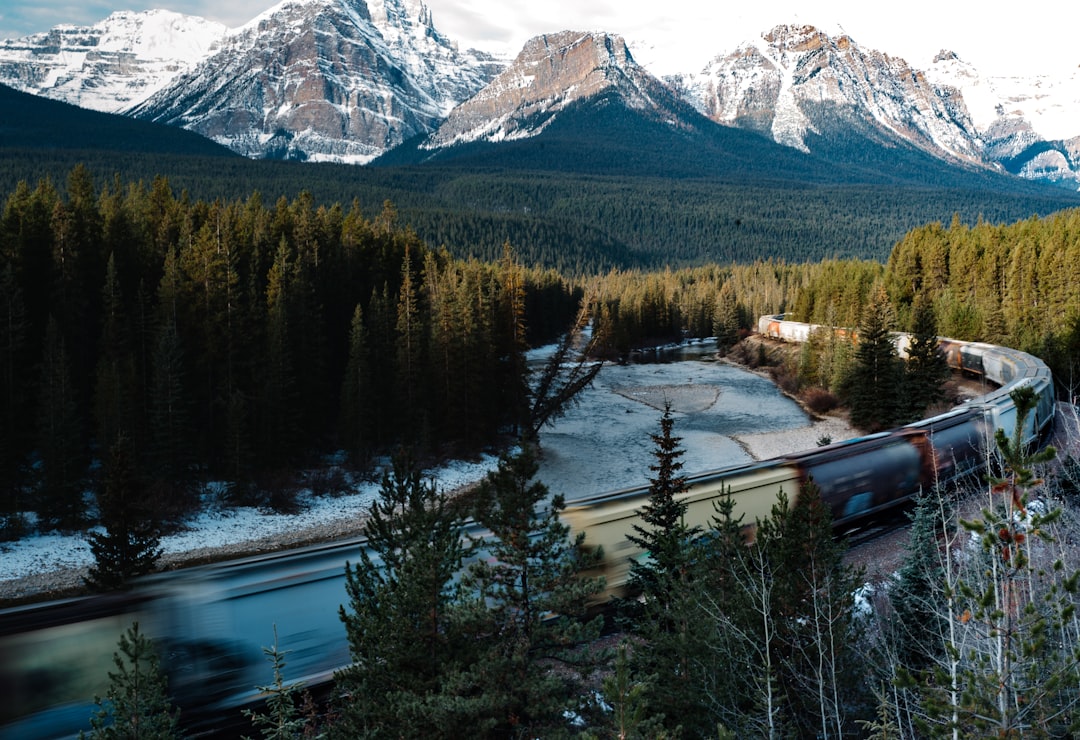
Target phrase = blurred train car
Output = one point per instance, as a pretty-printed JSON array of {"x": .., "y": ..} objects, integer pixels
[
  {"x": 859, "y": 478},
  {"x": 211, "y": 622}
]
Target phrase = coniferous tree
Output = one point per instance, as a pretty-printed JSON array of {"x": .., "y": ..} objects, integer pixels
[
  {"x": 409, "y": 345},
  {"x": 926, "y": 368},
  {"x": 875, "y": 389},
  {"x": 568, "y": 371},
  {"x": 357, "y": 407},
  {"x": 60, "y": 437},
  {"x": 13, "y": 403},
  {"x": 170, "y": 443},
  {"x": 664, "y": 536},
  {"x": 278, "y": 404},
  {"x": 137, "y": 703},
  {"x": 529, "y": 605},
  {"x": 283, "y": 719},
  {"x": 130, "y": 545},
  {"x": 666, "y": 620},
  {"x": 726, "y": 320},
  {"x": 918, "y": 596},
  {"x": 409, "y": 657},
  {"x": 114, "y": 404}
]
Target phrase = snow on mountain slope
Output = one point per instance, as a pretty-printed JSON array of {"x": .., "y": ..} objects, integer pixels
[
  {"x": 111, "y": 65},
  {"x": 796, "y": 81},
  {"x": 336, "y": 80},
  {"x": 551, "y": 72}
]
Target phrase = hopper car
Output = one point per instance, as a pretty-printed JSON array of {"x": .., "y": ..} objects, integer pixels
[{"x": 211, "y": 622}]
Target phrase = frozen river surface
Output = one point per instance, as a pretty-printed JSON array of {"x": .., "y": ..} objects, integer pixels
[{"x": 604, "y": 443}]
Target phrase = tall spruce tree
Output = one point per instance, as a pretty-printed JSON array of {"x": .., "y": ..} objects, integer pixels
[
  {"x": 666, "y": 621},
  {"x": 529, "y": 605},
  {"x": 875, "y": 387},
  {"x": 664, "y": 534},
  {"x": 129, "y": 547},
  {"x": 408, "y": 653},
  {"x": 926, "y": 369},
  {"x": 13, "y": 404},
  {"x": 60, "y": 436}
]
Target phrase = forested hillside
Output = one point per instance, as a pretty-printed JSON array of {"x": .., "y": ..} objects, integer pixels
[
  {"x": 584, "y": 200},
  {"x": 239, "y": 338}
]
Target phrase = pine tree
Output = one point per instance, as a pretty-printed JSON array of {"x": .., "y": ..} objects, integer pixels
[
  {"x": 129, "y": 547},
  {"x": 356, "y": 392},
  {"x": 726, "y": 320},
  {"x": 113, "y": 398},
  {"x": 667, "y": 620},
  {"x": 60, "y": 437},
  {"x": 926, "y": 368},
  {"x": 137, "y": 703},
  {"x": 403, "y": 630},
  {"x": 664, "y": 535},
  {"x": 13, "y": 404},
  {"x": 918, "y": 596},
  {"x": 530, "y": 603},
  {"x": 874, "y": 389},
  {"x": 410, "y": 331}
]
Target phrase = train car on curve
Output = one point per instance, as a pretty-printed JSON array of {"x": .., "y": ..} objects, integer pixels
[{"x": 212, "y": 621}]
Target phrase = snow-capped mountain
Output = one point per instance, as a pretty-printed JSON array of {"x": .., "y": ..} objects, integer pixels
[
  {"x": 796, "y": 82},
  {"x": 111, "y": 65},
  {"x": 1029, "y": 125},
  {"x": 551, "y": 72},
  {"x": 339, "y": 80},
  {"x": 348, "y": 80},
  {"x": 806, "y": 89}
]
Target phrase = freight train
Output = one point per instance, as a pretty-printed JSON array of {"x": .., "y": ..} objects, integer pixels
[{"x": 211, "y": 622}]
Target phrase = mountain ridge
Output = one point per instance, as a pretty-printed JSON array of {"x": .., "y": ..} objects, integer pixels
[{"x": 348, "y": 81}]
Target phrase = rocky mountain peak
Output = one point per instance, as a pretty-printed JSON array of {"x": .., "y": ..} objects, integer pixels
[
  {"x": 341, "y": 80},
  {"x": 551, "y": 72},
  {"x": 796, "y": 82}
]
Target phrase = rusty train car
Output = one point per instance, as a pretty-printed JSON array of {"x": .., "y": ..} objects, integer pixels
[{"x": 212, "y": 621}]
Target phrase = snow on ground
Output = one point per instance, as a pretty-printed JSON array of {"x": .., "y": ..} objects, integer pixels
[
  {"x": 224, "y": 528},
  {"x": 724, "y": 415}
]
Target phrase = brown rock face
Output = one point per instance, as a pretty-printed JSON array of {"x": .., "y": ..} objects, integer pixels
[{"x": 552, "y": 71}]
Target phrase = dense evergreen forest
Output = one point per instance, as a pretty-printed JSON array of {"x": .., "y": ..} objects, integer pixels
[
  {"x": 576, "y": 223},
  {"x": 585, "y": 198},
  {"x": 240, "y": 338}
]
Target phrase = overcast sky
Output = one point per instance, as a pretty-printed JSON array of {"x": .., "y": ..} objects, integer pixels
[{"x": 1034, "y": 37}]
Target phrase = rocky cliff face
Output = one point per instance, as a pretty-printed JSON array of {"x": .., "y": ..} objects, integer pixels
[
  {"x": 797, "y": 81},
  {"x": 551, "y": 72},
  {"x": 339, "y": 80},
  {"x": 1028, "y": 125},
  {"x": 111, "y": 65}
]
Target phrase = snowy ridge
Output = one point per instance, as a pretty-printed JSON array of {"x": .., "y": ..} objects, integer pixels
[
  {"x": 324, "y": 80},
  {"x": 796, "y": 80},
  {"x": 551, "y": 72},
  {"x": 348, "y": 80},
  {"x": 112, "y": 64}
]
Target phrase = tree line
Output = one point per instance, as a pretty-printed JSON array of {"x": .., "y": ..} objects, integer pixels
[{"x": 241, "y": 340}]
